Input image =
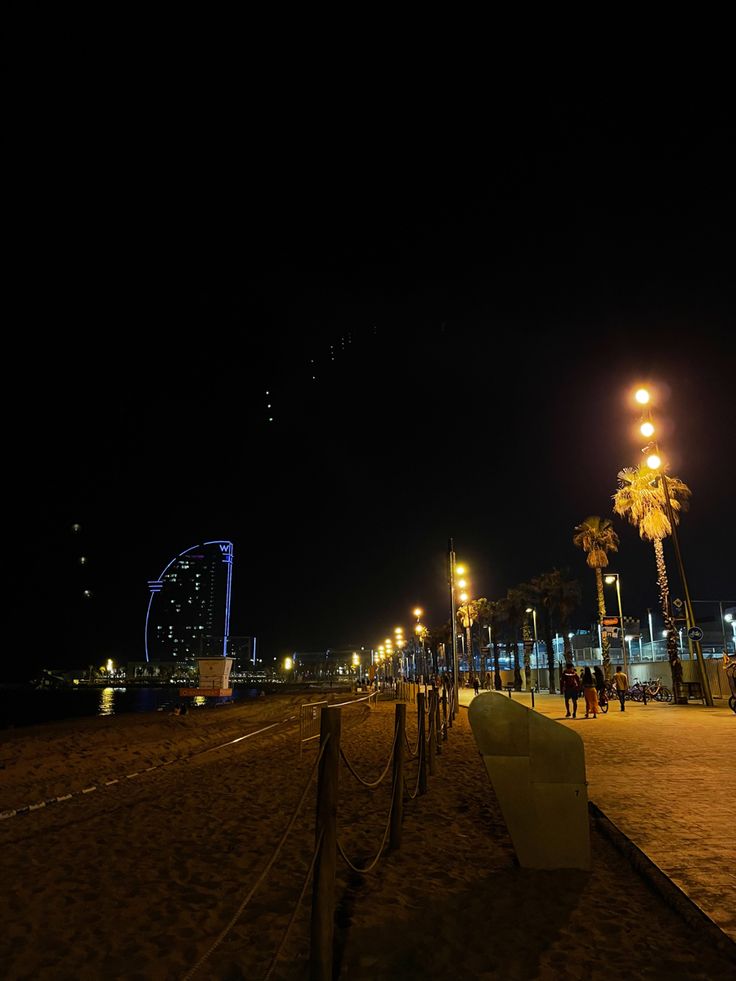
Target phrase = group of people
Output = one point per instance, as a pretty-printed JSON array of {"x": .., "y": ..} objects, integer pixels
[{"x": 592, "y": 684}]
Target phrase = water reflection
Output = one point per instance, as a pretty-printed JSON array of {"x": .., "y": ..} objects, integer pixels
[
  {"x": 107, "y": 702},
  {"x": 30, "y": 707}
]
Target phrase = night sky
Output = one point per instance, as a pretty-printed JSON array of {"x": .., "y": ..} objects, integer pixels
[{"x": 447, "y": 324}]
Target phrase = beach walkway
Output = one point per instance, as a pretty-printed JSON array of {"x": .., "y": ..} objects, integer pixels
[{"x": 663, "y": 775}]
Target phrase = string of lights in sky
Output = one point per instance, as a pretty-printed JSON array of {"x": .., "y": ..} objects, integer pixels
[{"x": 310, "y": 371}]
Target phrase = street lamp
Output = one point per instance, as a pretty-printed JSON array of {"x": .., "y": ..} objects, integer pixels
[
  {"x": 654, "y": 462},
  {"x": 651, "y": 635},
  {"x": 533, "y": 611},
  {"x": 400, "y": 649},
  {"x": 610, "y": 579},
  {"x": 468, "y": 624},
  {"x": 452, "y": 570},
  {"x": 419, "y": 640},
  {"x": 729, "y": 618}
]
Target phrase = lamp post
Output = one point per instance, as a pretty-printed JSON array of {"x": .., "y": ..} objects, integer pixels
[
  {"x": 400, "y": 645},
  {"x": 533, "y": 611},
  {"x": 451, "y": 580},
  {"x": 654, "y": 463},
  {"x": 419, "y": 632},
  {"x": 468, "y": 624},
  {"x": 651, "y": 634},
  {"x": 612, "y": 577},
  {"x": 729, "y": 618}
]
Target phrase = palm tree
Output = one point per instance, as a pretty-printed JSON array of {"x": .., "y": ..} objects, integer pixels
[
  {"x": 564, "y": 595},
  {"x": 515, "y": 608},
  {"x": 640, "y": 499},
  {"x": 597, "y": 538},
  {"x": 498, "y": 609},
  {"x": 543, "y": 599},
  {"x": 466, "y": 615},
  {"x": 486, "y": 613}
]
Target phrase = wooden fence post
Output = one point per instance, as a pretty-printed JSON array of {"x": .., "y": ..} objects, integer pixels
[
  {"x": 431, "y": 741},
  {"x": 437, "y": 723},
  {"x": 444, "y": 714},
  {"x": 323, "y": 884},
  {"x": 422, "y": 745},
  {"x": 397, "y": 806}
]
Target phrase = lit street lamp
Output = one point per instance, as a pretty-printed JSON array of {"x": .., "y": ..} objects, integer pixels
[
  {"x": 651, "y": 635},
  {"x": 468, "y": 624},
  {"x": 610, "y": 579},
  {"x": 654, "y": 462},
  {"x": 452, "y": 569},
  {"x": 729, "y": 618},
  {"x": 533, "y": 611}
]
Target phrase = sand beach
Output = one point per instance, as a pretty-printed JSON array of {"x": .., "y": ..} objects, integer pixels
[{"x": 130, "y": 843}]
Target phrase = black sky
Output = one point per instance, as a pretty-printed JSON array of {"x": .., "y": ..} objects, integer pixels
[{"x": 489, "y": 301}]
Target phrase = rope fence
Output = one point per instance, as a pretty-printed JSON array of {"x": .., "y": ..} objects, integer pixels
[{"x": 323, "y": 863}]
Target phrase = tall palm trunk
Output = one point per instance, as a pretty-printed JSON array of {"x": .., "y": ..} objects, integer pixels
[
  {"x": 605, "y": 643},
  {"x": 673, "y": 653},
  {"x": 517, "y": 667}
]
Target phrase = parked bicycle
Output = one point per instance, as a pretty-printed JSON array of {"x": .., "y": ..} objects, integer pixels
[{"x": 644, "y": 691}]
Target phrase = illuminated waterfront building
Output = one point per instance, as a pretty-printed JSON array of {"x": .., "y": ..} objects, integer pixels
[{"x": 189, "y": 606}]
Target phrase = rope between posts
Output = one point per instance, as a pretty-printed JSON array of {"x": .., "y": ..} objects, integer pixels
[
  {"x": 416, "y": 789},
  {"x": 367, "y": 783},
  {"x": 412, "y": 752},
  {"x": 308, "y": 876},
  {"x": 369, "y": 868},
  {"x": 267, "y": 869}
]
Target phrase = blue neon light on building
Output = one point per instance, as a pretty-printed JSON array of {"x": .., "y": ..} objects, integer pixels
[{"x": 192, "y": 603}]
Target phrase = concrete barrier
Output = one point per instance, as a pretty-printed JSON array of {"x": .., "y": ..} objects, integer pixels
[{"x": 537, "y": 769}]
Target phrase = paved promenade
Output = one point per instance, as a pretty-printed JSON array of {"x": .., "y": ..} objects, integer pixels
[{"x": 664, "y": 775}]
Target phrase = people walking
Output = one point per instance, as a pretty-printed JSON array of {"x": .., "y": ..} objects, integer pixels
[
  {"x": 570, "y": 684},
  {"x": 621, "y": 683},
  {"x": 476, "y": 683},
  {"x": 591, "y": 695}
]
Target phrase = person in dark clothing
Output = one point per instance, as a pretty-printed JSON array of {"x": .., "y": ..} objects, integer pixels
[
  {"x": 476, "y": 683},
  {"x": 570, "y": 683},
  {"x": 600, "y": 681},
  {"x": 591, "y": 697}
]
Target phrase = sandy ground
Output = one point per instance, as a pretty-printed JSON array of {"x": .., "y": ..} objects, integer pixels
[{"x": 137, "y": 879}]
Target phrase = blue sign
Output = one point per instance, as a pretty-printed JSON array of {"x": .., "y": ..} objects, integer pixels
[{"x": 695, "y": 633}]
